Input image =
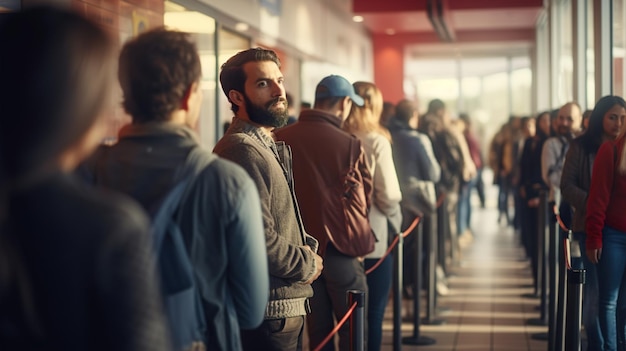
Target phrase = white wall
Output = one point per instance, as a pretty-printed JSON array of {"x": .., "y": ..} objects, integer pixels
[{"x": 315, "y": 31}]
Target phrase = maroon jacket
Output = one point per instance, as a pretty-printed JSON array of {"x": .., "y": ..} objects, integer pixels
[{"x": 320, "y": 156}]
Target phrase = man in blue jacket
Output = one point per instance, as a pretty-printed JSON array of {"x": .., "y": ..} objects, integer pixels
[{"x": 220, "y": 220}]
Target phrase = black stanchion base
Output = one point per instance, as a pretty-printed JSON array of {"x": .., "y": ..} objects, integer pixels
[
  {"x": 540, "y": 336},
  {"x": 420, "y": 340},
  {"x": 433, "y": 321},
  {"x": 536, "y": 321}
]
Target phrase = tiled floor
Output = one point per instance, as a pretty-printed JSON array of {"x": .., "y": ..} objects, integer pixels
[{"x": 487, "y": 310}]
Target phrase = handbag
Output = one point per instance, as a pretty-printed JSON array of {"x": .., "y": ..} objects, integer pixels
[
  {"x": 419, "y": 197},
  {"x": 345, "y": 213}
]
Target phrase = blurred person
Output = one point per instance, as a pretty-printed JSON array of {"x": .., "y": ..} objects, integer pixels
[
  {"x": 321, "y": 155},
  {"x": 477, "y": 158},
  {"x": 76, "y": 269},
  {"x": 304, "y": 106},
  {"x": 436, "y": 124},
  {"x": 501, "y": 161},
  {"x": 605, "y": 123},
  {"x": 364, "y": 122},
  {"x": 291, "y": 110},
  {"x": 465, "y": 208},
  {"x": 585, "y": 122},
  {"x": 605, "y": 226},
  {"x": 414, "y": 158},
  {"x": 220, "y": 215},
  {"x": 254, "y": 85},
  {"x": 555, "y": 148},
  {"x": 389, "y": 110},
  {"x": 531, "y": 186}
]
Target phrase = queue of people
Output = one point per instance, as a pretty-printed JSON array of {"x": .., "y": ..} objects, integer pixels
[{"x": 264, "y": 220}]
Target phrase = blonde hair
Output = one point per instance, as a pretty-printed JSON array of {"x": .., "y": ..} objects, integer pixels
[{"x": 366, "y": 118}]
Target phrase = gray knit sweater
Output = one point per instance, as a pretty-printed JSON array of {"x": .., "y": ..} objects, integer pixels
[{"x": 290, "y": 264}]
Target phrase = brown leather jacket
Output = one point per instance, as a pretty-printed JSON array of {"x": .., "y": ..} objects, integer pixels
[{"x": 320, "y": 156}]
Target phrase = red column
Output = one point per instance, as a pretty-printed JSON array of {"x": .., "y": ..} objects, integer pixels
[{"x": 389, "y": 67}]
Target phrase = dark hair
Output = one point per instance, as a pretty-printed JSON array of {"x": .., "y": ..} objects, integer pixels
[
  {"x": 463, "y": 116},
  {"x": 57, "y": 72},
  {"x": 435, "y": 105},
  {"x": 233, "y": 76},
  {"x": 591, "y": 139},
  {"x": 540, "y": 134},
  {"x": 156, "y": 70},
  {"x": 327, "y": 102},
  {"x": 405, "y": 110}
]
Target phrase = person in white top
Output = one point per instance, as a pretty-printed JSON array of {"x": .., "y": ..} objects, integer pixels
[{"x": 385, "y": 213}]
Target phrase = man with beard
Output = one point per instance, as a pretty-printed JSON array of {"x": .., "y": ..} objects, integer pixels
[
  {"x": 253, "y": 83},
  {"x": 555, "y": 148}
]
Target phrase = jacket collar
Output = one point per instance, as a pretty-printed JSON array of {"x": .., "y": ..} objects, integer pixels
[
  {"x": 395, "y": 124},
  {"x": 316, "y": 115},
  {"x": 157, "y": 129},
  {"x": 239, "y": 125}
]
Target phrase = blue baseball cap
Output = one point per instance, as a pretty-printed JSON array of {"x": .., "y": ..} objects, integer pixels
[{"x": 337, "y": 86}]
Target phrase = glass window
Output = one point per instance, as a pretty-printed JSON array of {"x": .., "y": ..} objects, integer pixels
[
  {"x": 619, "y": 38},
  {"x": 202, "y": 29},
  {"x": 230, "y": 43},
  {"x": 565, "y": 82},
  {"x": 591, "y": 68},
  {"x": 521, "y": 81}
]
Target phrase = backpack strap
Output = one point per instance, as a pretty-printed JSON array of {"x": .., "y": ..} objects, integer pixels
[{"x": 197, "y": 160}]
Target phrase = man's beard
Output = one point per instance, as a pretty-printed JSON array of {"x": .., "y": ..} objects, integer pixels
[{"x": 266, "y": 117}]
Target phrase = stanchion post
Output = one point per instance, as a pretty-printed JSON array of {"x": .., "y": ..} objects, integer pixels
[
  {"x": 564, "y": 238},
  {"x": 416, "y": 338},
  {"x": 430, "y": 234},
  {"x": 553, "y": 289},
  {"x": 542, "y": 264},
  {"x": 573, "y": 322},
  {"x": 397, "y": 294},
  {"x": 357, "y": 320}
]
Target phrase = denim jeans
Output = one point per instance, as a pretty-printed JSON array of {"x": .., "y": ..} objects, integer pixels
[
  {"x": 378, "y": 285},
  {"x": 590, "y": 296},
  {"x": 611, "y": 284},
  {"x": 465, "y": 210}
]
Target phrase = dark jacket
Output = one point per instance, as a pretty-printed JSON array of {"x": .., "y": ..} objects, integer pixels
[
  {"x": 575, "y": 182},
  {"x": 413, "y": 153},
  {"x": 531, "y": 180},
  {"x": 447, "y": 151},
  {"x": 290, "y": 263},
  {"x": 220, "y": 221},
  {"x": 321, "y": 156},
  {"x": 87, "y": 256}
]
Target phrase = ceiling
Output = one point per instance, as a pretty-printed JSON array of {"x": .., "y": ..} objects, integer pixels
[{"x": 470, "y": 27}]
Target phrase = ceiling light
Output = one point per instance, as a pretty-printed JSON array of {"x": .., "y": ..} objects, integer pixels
[
  {"x": 357, "y": 18},
  {"x": 242, "y": 27}
]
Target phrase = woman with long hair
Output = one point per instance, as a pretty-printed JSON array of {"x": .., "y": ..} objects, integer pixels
[
  {"x": 605, "y": 226},
  {"x": 605, "y": 124},
  {"x": 76, "y": 271},
  {"x": 364, "y": 122}
]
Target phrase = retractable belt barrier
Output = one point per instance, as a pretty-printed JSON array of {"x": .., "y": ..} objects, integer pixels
[{"x": 575, "y": 279}]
